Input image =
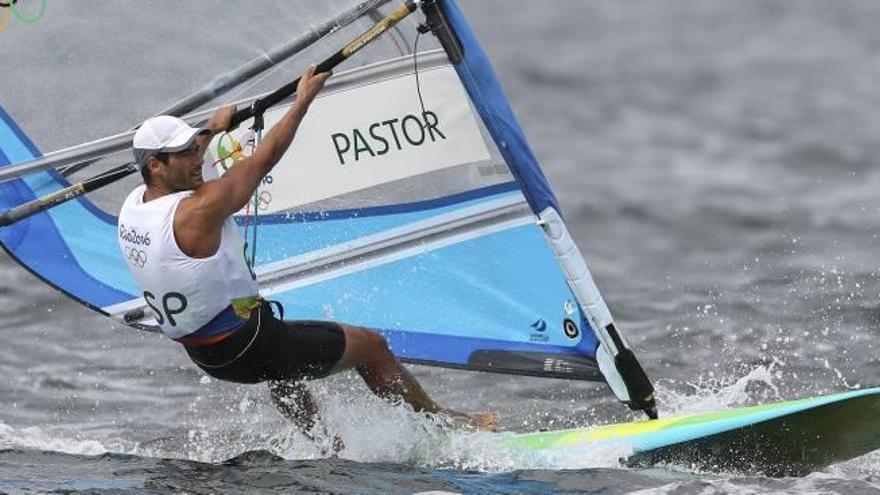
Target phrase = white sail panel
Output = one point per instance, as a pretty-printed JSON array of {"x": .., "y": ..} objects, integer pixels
[{"x": 367, "y": 133}]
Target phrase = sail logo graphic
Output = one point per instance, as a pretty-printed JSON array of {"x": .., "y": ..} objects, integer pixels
[
  {"x": 231, "y": 150},
  {"x": 379, "y": 138},
  {"x": 15, "y": 8},
  {"x": 539, "y": 326}
]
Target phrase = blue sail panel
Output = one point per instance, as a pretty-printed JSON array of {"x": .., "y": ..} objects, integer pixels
[
  {"x": 485, "y": 91},
  {"x": 66, "y": 246},
  {"x": 451, "y": 304},
  {"x": 283, "y": 236}
]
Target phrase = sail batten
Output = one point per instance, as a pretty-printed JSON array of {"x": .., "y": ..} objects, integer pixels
[{"x": 414, "y": 238}]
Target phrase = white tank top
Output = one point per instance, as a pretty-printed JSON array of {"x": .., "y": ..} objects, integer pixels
[{"x": 184, "y": 293}]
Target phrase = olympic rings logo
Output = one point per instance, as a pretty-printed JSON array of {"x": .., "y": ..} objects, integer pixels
[
  {"x": 264, "y": 199},
  {"x": 136, "y": 256},
  {"x": 10, "y": 8}
]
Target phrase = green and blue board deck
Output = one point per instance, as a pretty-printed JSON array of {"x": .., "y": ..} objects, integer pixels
[{"x": 783, "y": 439}]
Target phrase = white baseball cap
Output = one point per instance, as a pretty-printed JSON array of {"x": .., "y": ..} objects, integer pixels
[{"x": 163, "y": 134}]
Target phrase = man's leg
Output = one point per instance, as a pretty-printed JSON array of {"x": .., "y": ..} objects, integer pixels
[
  {"x": 367, "y": 352},
  {"x": 296, "y": 403}
]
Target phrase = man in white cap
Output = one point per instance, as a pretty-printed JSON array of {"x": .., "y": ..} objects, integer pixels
[{"x": 187, "y": 254}]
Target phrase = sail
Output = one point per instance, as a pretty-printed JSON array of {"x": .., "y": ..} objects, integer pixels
[{"x": 409, "y": 203}]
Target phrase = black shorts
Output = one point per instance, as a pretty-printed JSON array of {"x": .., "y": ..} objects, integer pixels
[{"x": 266, "y": 348}]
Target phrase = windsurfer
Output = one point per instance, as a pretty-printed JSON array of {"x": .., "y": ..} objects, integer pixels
[{"x": 188, "y": 259}]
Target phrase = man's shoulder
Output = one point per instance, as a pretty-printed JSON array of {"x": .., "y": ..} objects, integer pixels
[
  {"x": 207, "y": 200},
  {"x": 193, "y": 209},
  {"x": 137, "y": 192},
  {"x": 133, "y": 198},
  {"x": 139, "y": 200}
]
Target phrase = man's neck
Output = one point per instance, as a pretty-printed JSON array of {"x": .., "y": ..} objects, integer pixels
[{"x": 156, "y": 192}]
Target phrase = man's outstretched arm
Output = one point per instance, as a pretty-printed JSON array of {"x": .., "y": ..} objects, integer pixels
[
  {"x": 218, "y": 123},
  {"x": 220, "y": 198}
]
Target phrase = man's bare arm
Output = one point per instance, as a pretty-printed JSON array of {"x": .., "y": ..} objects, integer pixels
[
  {"x": 216, "y": 124},
  {"x": 218, "y": 199}
]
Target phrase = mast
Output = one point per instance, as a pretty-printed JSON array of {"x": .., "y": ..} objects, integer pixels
[{"x": 618, "y": 364}]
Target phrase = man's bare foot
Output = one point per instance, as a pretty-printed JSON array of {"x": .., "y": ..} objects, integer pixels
[{"x": 484, "y": 421}]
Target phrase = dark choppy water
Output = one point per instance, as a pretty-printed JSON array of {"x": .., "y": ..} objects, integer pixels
[{"x": 718, "y": 164}]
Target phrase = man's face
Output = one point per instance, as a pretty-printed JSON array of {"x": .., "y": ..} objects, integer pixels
[{"x": 183, "y": 172}]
